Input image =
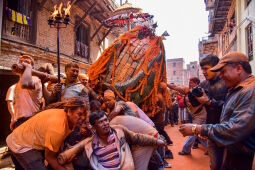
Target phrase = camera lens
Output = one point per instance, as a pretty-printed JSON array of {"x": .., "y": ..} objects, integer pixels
[{"x": 197, "y": 92}]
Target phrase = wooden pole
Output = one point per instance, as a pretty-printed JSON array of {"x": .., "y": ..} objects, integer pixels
[
  {"x": 96, "y": 31},
  {"x": 104, "y": 36},
  {"x": 86, "y": 14}
]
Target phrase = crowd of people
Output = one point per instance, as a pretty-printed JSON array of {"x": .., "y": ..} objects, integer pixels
[{"x": 49, "y": 118}]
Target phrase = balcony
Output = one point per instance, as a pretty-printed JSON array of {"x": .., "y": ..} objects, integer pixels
[{"x": 221, "y": 9}]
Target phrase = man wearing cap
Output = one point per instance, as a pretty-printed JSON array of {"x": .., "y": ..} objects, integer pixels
[{"x": 237, "y": 116}]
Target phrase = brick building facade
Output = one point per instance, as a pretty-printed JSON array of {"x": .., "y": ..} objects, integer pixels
[
  {"x": 81, "y": 41},
  {"x": 175, "y": 71},
  {"x": 192, "y": 70},
  {"x": 177, "y": 74},
  {"x": 39, "y": 40}
]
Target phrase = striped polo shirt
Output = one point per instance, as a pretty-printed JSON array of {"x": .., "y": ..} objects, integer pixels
[{"x": 108, "y": 156}]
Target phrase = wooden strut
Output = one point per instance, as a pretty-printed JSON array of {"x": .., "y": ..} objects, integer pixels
[
  {"x": 86, "y": 14},
  {"x": 97, "y": 35},
  {"x": 104, "y": 36},
  {"x": 73, "y": 2},
  {"x": 97, "y": 13},
  {"x": 97, "y": 31}
]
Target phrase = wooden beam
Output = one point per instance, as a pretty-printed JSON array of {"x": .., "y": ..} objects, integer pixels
[
  {"x": 86, "y": 14},
  {"x": 33, "y": 36},
  {"x": 1, "y": 19},
  {"x": 98, "y": 12},
  {"x": 73, "y": 2},
  {"x": 41, "y": 4},
  {"x": 97, "y": 35},
  {"x": 104, "y": 36},
  {"x": 97, "y": 31},
  {"x": 99, "y": 20}
]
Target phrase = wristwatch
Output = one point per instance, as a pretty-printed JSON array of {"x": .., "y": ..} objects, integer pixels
[{"x": 193, "y": 129}]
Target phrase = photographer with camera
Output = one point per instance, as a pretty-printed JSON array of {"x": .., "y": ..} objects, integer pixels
[
  {"x": 195, "y": 109},
  {"x": 236, "y": 124},
  {"x": 213, "y": 101}
]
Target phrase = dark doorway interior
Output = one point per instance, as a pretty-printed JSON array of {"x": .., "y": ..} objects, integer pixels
[{"x": 6, "y": 80}]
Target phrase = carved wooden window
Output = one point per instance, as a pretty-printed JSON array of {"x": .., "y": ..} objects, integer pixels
[
  {"x": 18, "y": 20},
  {"x": 174, "y": 64},
  {"x": 249, "y": 41},
  {"x": 21, "y": 6},
  {"x": 82, "y": 41}
]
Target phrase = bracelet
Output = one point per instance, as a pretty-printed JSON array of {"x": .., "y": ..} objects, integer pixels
[{"x": 193, "y": 129}]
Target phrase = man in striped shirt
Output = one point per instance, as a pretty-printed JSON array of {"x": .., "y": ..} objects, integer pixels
[
  {"x": 109, "y": 147},
  {"x": 108, "y": 155}
]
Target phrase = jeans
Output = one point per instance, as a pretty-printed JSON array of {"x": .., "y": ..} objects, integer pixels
[
  {"x": 172, "y": 117},
  {"x": 167, "y": 116},
  {"x": 215, "y": 154},
  {"x": 30, "y": 160},
  {"x": 156, "y": 161},
  {"x": 182, "y": 113},
  {"x": 190, "y": 141},
  {"x": 190, "y": 118},
  {"x": 176, "y": 116}
]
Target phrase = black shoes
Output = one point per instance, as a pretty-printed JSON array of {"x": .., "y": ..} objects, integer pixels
[
  {"x": 170, "y": 143},
  {"x": 183, "y": 153},
  {"x": 169, "y": 154},
  {"x": 195, "y": 146},
  {"x": 167, "y": 165}
]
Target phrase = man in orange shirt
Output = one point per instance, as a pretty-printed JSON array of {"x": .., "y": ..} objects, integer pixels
[{"x": 44, "y": 133}]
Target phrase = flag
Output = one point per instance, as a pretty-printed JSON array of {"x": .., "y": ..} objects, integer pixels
[{"x": 18, "y": 17}]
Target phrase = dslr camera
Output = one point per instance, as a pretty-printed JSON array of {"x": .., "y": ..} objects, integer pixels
[{"x": 196, "y": 92}]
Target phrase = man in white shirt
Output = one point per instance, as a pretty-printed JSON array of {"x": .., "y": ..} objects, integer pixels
[
  {"x": 10, "y": 103},
  {"x": 27, "y": 93}
]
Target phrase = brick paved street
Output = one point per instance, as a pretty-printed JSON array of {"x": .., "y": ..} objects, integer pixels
[{"x": 196, "y": 161}]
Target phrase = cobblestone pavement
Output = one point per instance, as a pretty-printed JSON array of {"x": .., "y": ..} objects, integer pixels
[{"x": 196, "y": 161}]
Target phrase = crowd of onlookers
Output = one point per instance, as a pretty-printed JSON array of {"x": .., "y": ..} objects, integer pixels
[{"x": 49, "y": 118}]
